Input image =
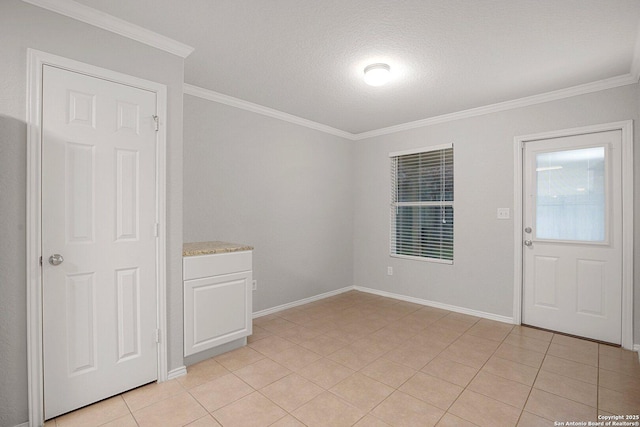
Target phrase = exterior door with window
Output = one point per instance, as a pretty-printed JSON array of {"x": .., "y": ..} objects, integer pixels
[{"x": 572, "y": 256}]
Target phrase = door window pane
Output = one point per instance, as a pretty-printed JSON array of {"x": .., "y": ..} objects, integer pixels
[{"x": 570, "y": 198}]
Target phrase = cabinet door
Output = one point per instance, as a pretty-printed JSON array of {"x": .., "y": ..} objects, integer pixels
[{"x": 217, "y": 310}]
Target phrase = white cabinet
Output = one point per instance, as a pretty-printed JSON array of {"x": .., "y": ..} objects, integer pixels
[{"x": 217, "y": 299}]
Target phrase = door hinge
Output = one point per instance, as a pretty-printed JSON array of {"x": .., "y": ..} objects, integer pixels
[
  {"x": 156, "y": 229},
  {"x": 156, "y": 119},
  {"x": 40, "y": 261},
  {"x": 157, "y": 335}
]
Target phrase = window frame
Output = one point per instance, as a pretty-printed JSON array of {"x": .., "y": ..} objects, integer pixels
[{"x": 394, "y": 205}]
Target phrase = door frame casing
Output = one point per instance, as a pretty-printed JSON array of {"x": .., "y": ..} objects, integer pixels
[
  {"x": 626, "y": 128},
  {"x": 36, "y": 60}
]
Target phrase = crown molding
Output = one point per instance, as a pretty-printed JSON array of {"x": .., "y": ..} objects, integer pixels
[
  {"x": 599, "y": 85},
  {"x": 91, "y": 16},
  {"x": 265, "y": 111},
  {"x": 583, "y": 89}
]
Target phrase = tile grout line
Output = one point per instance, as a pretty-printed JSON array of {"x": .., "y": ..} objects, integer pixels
[
  {"x": 478, "y": 371},
  {"x": 370, "y": 412},
  {"x": 129, "y": 408},
  {"x": 598, "y": 385},
  {"x": 397, "y": 389},
  {"x": 476, "y": 374},
  {"x": 575, "y": 379},
  {"x": 287, "y": 413},
  {"x": 465, "y": 387},
  {"x": 365, "y": 413},
  {"x": 534, "y": 382}
]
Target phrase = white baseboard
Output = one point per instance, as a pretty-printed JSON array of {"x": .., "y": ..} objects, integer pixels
[
  {"x": 301, "y": 302},
  {"x": 178, "y": 372},
  {"x": 23, "y": 424},
  {"x": 636, "y": 348},
  {"x": 463, "y": 310},
  {"x": 435, "y": 304}
]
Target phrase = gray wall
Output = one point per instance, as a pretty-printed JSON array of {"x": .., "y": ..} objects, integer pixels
[
  {"x": 283, "y": 188},
  {"x": 24, "y": 26},
  {"x": 482, "y": 276}
]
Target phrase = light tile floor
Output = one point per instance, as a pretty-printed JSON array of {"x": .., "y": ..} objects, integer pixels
[{"x": 364, "y": 360}]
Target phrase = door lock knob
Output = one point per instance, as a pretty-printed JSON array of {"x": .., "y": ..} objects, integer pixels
[
  {"x": 56, "y": 259},
  {"x": 528, "y": 243}
]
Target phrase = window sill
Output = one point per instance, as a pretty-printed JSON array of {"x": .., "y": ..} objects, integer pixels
[{"x": 423, "y": 259}]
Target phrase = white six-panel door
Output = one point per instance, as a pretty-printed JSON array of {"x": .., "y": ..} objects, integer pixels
[
  {"x": 573, "y": 235},
  {"x": 99, "y": 215}
]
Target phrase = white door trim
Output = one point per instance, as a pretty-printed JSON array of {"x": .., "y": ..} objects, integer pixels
[
  {"x": 626, "y": 127},
  {"x": 35, "y": 62}
]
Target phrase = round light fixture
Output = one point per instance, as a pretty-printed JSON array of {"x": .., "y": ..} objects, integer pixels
[{"x": 377, "y": 74}]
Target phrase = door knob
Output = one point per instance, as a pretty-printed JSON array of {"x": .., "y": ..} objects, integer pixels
[
  {"x": 528, "y": 243},
  {"x": 56, "y": 259}
]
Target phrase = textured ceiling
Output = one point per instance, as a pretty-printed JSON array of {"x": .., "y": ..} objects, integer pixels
[{"x": 305, "y": 57}]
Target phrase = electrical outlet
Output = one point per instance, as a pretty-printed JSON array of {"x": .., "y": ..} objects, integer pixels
[
  {"x": 389, "y": 271},
  {"x": 254, "y": 285},
  {"x": 503, "y": 213}
]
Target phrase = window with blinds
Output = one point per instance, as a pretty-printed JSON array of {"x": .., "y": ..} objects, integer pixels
[{"x": 422, "y": 204}]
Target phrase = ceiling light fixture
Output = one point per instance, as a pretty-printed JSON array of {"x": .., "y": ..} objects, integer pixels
[{"x": 377, "y": 74}]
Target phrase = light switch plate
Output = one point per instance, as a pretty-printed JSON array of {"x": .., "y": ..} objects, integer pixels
[{"x": 504, "y": 213}]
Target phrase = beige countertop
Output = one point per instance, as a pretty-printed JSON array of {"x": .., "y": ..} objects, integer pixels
[{"x": 215, "y": 247}]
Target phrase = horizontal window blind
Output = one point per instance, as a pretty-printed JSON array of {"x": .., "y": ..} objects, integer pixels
[{"x": 422, "y": 204}]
